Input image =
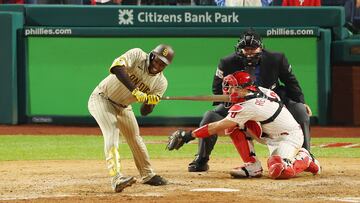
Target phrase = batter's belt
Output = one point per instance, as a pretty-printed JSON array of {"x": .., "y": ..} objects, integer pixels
[{"x": 111, "y": 101}]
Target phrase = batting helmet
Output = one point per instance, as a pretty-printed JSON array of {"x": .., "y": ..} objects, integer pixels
[{"x": 164, "y": 52}]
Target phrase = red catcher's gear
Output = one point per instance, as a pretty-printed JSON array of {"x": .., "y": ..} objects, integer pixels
[
  {"x": 280, "y": 169},
  {"x": 275, "y": 166},
  {"x": 202, "y": 132},
  {"x": 254, "y": 127},
  {"x": 243, "y": 146},
  {"x": 238, "y": 79}
]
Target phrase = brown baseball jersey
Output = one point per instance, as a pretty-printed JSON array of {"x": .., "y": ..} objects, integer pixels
[{"x": 136, "y": 63}]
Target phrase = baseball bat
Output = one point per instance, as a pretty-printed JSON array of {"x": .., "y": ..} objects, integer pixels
[{"x": 214, "y": 98}]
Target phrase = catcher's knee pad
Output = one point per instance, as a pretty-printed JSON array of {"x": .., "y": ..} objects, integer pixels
[
  {"x": 243, "y": 145},
  {"x": 254, "y": 127},
  {"x": 275, "y": 166}
]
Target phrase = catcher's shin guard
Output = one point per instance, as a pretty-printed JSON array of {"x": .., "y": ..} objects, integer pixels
[
  {"x": 280, "y": 168},
  {"x": 244, "y": 145},
  {"x": 275, "y": 166},
  {"x": 314, "y": 165},
  {"x": 113, "y": 162},
  {"x": 254, "y": 127},
  {"x": 283, "y": 168},
  {"x": 302, "y": 161},
  {"x": 289, "y": 172}
]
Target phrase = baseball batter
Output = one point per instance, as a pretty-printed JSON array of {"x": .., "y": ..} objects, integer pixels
[
  {"x": 135, "y": 76},
  {"x": 260, "y": 113}
]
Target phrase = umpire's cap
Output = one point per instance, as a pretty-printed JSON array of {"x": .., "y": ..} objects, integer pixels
[
  {"x": 249, "y": 39},
  {"x": 164, "y": 52}
]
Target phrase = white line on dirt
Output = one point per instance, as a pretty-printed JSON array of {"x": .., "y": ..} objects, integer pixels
[
  {"x": 214, "y": 190},
  {"x": 148, "y": 194},
  {"x": 347, "y": 199},
  {"x": 36, "y": 197},
  {"x": 351, "y": 146}
]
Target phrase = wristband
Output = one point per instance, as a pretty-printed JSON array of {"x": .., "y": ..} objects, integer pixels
[{"x": 202, "y": 132}]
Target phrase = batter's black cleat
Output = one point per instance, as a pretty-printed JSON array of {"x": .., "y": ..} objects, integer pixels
[
  {"x": 156, "y": 180},
  {"x": 199, "y": 165}
]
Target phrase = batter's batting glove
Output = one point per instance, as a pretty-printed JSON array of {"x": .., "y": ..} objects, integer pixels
[
  {"x": 153, "y": 99},
  {"x": 178, "y": 138},
  {"x": 140, "y": 96}
]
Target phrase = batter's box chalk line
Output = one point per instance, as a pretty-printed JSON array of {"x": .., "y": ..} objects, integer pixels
[
  {"x": 214, "y": 190},
  {"x": 345, "y": 199}
]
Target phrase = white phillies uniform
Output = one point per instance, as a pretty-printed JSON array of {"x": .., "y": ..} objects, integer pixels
[
  {"x": 110, "y": 102},
  {"x": 283, "y": 136}
]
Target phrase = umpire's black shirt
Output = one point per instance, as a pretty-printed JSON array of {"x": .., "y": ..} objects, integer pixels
[{"x": 274, "y": 67}]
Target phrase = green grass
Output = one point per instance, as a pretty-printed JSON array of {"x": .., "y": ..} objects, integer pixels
[{"x": 91, "y": 148}]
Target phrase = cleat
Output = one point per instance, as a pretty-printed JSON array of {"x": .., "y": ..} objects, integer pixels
[
  {"x": 156, "y": 181},
  {"x": 199, "y": 165},
  {"x": 119, "y": 183},
  {"x": 248, "y": 170}
]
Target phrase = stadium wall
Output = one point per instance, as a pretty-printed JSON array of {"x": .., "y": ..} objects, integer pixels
[{"x": 64, "y": 51}]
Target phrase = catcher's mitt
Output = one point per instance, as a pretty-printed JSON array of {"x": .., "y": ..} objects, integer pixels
[{"x": 178, "y": 138}]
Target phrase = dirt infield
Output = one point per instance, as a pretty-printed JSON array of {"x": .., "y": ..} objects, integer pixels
[{"x": 86, "y": 180}]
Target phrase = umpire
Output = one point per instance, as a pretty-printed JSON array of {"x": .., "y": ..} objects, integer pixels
[{"x": 267, "y": 69}]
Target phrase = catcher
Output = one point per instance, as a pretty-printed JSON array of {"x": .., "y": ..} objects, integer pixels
[{"x": 257, "y": 113}]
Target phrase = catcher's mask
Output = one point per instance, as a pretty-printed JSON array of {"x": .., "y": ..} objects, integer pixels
[
  {"x": 164, "y": 52},
  {"x": 239, "y": 79},
  {"x": 249, "y": 41}
]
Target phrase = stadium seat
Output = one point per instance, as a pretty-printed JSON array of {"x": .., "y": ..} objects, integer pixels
[
  {"x": 349, "y": 6},
  {"x": 356, "y": 20}
]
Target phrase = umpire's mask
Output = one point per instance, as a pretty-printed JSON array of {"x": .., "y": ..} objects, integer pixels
[{"x": 249, "y": 48}]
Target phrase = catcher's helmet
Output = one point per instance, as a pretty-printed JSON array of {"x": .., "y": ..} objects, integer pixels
[
  {"x": 238, "y": 79},
  {"x": 164, "y": 52},
  {"x": 250, "y": 39}
]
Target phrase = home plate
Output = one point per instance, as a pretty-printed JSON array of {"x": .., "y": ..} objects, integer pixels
[{"x": 214, "y": 190}]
